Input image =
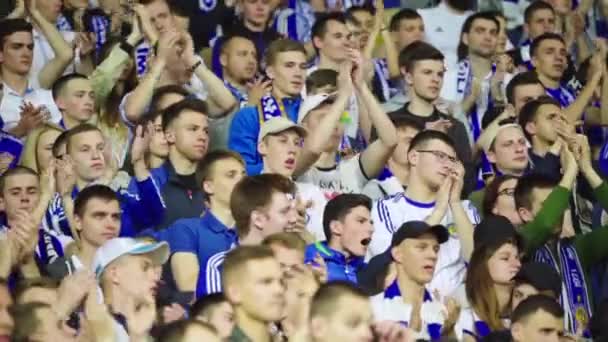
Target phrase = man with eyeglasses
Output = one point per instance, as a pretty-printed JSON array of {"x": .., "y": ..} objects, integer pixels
[{"x": 433, "y": 195}]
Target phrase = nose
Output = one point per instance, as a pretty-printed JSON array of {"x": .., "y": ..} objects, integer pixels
[{"x": 97, "y": 154}]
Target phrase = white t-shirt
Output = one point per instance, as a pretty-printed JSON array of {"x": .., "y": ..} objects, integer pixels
[
  {"x": 314, "y": 215},
  {"x": 378, "y": 189},
  {"x": 442, "y": 30},
  {"x": 11, "y": 102},
  {"x": 43, "y": 53},
  {"x": 346, "y": 177},
  {"x": 390, "y": 213}
]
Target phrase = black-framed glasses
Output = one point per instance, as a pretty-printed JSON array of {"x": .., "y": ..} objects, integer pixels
[
  {"x": 442, "y": 156},
  {"x": 507, "y": 192}
]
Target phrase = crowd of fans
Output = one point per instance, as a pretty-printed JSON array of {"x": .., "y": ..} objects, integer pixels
[{"x": 303, "y": 170}]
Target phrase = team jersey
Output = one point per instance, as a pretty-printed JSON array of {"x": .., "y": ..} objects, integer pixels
[
  {"x": 314, "y": 214},
  {"x": 390, "y": 213},
  {"x": 346, "y": 177}
]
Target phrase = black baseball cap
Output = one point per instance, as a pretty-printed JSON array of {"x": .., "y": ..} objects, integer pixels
[
  {"x": 541, "y": 276},
  {"x": 494, "y": 230},
  {"x": 368, "y": 276}
]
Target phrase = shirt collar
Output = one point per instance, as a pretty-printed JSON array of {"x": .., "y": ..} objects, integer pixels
[
  {"x": 212, "y": 222},
  {"x": 393, "y": 291},
  {"x": 334, "y": 255},
  {"x": 9, "y": 90}
]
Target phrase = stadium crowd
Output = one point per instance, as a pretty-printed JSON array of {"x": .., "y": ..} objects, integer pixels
[{"x": 303, "y": 170}]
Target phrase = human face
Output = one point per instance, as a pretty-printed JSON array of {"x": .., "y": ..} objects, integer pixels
[
  {"x": 433, "y": 162},
  {"x": 44, "y": 148},
  {"x": 539, "y": 196},
  {"x": 510, "y": 152},
  {"x": 313, "y": 121},
  {"x": 240, "y": 60},
  {"x": 505, "y": 202},
  {"x": 540, "y": 326},
  {"x": 21, "y": 193},
  {"x": 482, "y": 38},
  {"x": 288, "y": 73},
  {"x": 6, "y": 320},
  {"x": 222, "y": 319},
  {"x": 189, "y": 135},
  {"x": 77, "y": 101},
  {"x": 351, "y": 320},
  {"x": 87, "y": 153},
  {"x": 100, "y": 221},
  {"x": 355, "y": 228},
  {"x": 17, "y": 53},
  {"x": 256, "y": 12},
  {"x": 160, "y": 15},
  {"x": 50, "y": 9},
  {"x": 550, "y": 59},
  {"x": 542, "y": 21},
  {"x": 410, "y": 30},
  {"x": 335, "y": 43},
  {"x": 279, "y": 215},
  {"x": 405, "y": 134},
  {"x": 158, "y": 142},
  {"x": 224, "y": 175},
  {"x": 525, "y": 93},
  {"x": 261, "y": 293},
  {"x": 367, "y": 24},
  {"x": 418, "y": 257},
  {"x": 280, "y": 152},
  {"x": 287, "y": 258},
  {"x": 544, "y": 126},
  {"x": 135, "y": 276},
  {"x": 501, "y": 38},
  {"x": 521, "y": 292},
  {"x": 504, "y": 264},
  {"x": 356, "y": 32},
  {"x": 426, "y": 79}
]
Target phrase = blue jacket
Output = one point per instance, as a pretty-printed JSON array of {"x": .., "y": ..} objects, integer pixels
[
  {"x": 180, "y": 200},
  {"x": 338, "y": 267},
  {"x": 244, "y": 131},
  {"x": 140, "y": 209},
  {"x": 204, "y": 237}
]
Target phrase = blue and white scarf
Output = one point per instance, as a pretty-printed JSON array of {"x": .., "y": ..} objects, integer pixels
[
  {"x": 63, "y": 24},
  {"x": 564, "y": 96},
  {"x": 286, "y": 20},
  {"x": 142, "y": 51},
  {"x": 383, "y": 75},
  {"x": 241, "y": 97},
  {"x": 574, "y": 298},
  {"x": 270, "y": 108},
  {"x": 10, "y": 148}
]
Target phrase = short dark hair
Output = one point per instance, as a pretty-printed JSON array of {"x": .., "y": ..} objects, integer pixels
[
  {"x": 26, "y": 320},
  {"x": 41, "y": 282},
  {"x": 17, "y": 170},
  {"x": 533, "y": 304},
  {"x": 340, "y": 206},
  {"x": 463, "y": 49},
  {"x": 403, "y": 14},
  {"x": 418, "y": 51},
  {"x": 280, "y": 46},
  {"x": 176, "y": 331},
  {"x": 534, "y": 7},
  {"x": 529, "y": 110},
  {"x": 204, "y": 167},
  {"x": 545, "y": 36},
  {"x": 10, "y": 26},
  {"x": 521, "y": 79},
  {"x": 160, "y": 92},
  {"x": 82, "y": 128},
  {"x": 253, "y": 193},
  {"x": 491, "y": 193},
  {"x": 62, "y": 82},
  {"x": 174, "y": 111},
  {"x": 527, "y": 184},
  {"x": 228, "y": 39},
  {"x": 204, "y": 305},
  {"x": 319, "y": 28},
  {"x": 321, "y": 78},
  {"x": 62, "y": 139},
  {"x": 237, "y": 258},
  {"x": 425, "y": 136},
  {"x": 325, "y": 299},
  {"x": 98, "y": 191}
]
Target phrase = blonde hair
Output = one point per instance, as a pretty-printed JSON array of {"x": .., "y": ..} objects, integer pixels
[{"x": 29, "y": 157}]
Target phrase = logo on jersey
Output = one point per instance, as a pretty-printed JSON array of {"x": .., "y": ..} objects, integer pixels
[{"x": 207, "y": 5}]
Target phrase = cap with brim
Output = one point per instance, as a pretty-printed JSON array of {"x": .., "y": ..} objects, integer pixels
[
  {"x": 280, "y": 124},
  {"x": 117, "y": 247},
  {"x": 541, "y": 276},
  {"x": 486, "y": 147},
  {"x": 367, "y": 277},
  {"x": 495, "y": 230},
  {"x": 313, "y": 101}
]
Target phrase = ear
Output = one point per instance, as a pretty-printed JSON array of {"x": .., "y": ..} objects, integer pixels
[
  {"x": 208, "y": 187},
  {"x": 317, "y": 328},
  {"x": 270, "y": 72},
  {"x": 1, "y": 56},
  {"x": 403, "y": 71},
  {"x": 262, "y": 148},
  {"x": 412, "y": 158},
  {"x": 396, "y": 254},
  {"x": 258, "y": 219},
  {"x": 60, "y": 103},
  {"x": 409, "y": 79},
  {"x": 534, "y": 61},
  {"x": 525, "y": 215},
  {"x": 516, "y": 332},
  {"x": 170, "y": 136},
  {"x": 494, "y": 211},
  {"x": 232, "y": 294},
  {"x": 336, "y": 228},
  {"x": 465, "y": 39},
  {"x": 223, "y": 60},
  {"x": 317, "y": 42},
  {"x": 77, "y": 223},
  {"x": 530, "y": 128},
  {"x": 491, "y": 157}
]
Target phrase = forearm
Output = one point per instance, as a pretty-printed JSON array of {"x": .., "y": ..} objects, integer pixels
[
  {"x": 392, "y": 55},
  {"x": 368, "y": 50},
  {"x": 139, "y": 99},
  {"x": 575, "y": 111},
  {"x": 539, "y": 230},
  {"x": 60, "y": 47},
  {"x": 385, "y": 128},
  {"x": 221, "y": 100},
  {"x": 29, "y": 269},
  {"x": 85, "y": 66},
  {"x": 464, "y": 229},
  {"x": 105, "y": 76},
  {"x": 592, "y": 177},
  {"x": 140, "y": 170},
  {"x": 319, "y": 137}
]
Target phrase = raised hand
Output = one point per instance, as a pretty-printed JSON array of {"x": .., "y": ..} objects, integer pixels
[
  {"x": 85, "y": 42},
  {"x": 457, "y": 183},
  {"x": 31, "y": 117},
  {"x": 188, "y": 55},
  {"x": 345, "y": 81},
  {"x": 167, "y": 44},
  {"x": 145, "y": 24},
  {"x": 392, "y": 331},
  {"x": 99, "y": 322},
  {"x": 65, "y": 176},
  {"x": 26, "y": 234},
  {"x": 441, "y": 125},
  {"x": 73, "y": 290},
  {"x": 141, "y": 143},
  {"x": 140, "y": 317},
  {"x": 256, "y": 89}
]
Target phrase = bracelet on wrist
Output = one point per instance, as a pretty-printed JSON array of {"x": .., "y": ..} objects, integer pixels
[{"x": 196, "y": 65}]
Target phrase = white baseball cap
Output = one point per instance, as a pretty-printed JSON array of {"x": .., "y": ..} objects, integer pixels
[
  {"x": 311, "y": 102},
  {"x": 117, "y": 247},
  {"x": 280, "y": 124}
]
